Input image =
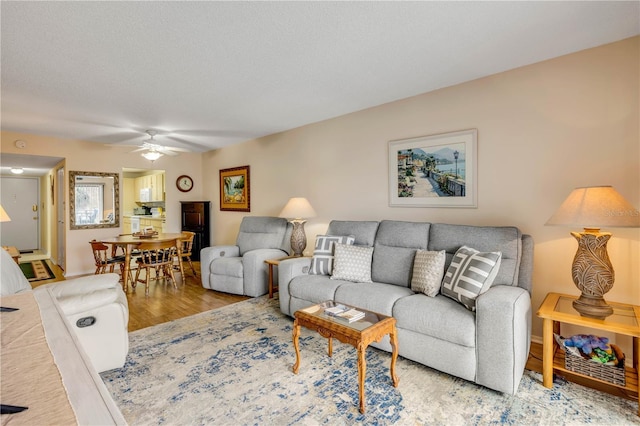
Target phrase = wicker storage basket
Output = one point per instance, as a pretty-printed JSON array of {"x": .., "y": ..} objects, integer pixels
[{"x": 609, "y": 373}]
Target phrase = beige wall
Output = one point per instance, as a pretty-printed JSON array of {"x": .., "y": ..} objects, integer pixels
[
  {"x": 543, "y": 130},
  {"x": 87, "y": 156}
]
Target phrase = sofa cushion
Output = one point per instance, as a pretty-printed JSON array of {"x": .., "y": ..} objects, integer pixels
[
  {"x": 229, "y": 266},
  {"x": 352, "y": 263},
  {"x": 257, "y": 232},
  {"x": 376, "y": 297},
  {"x": 439, "y": 317},
  {"x": 314, "y": 288},
  {"x": 395, "y": 247},
  {"x": 363, "y": 231},
  {"x": 505, "y": 239},
  {"x": 470, "y": 274},
  {"x": 428, "y": 270},
  {"x": 322, "y": 261}
]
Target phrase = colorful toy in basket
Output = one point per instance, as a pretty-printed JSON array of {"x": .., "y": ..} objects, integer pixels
[{"x": 593, "y": 348}]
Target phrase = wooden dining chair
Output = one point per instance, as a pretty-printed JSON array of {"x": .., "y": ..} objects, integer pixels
[
  {"x": 187, "y": 247},
  {"x": 103, "y": 259},
  {"x": 156, "y": 255}
]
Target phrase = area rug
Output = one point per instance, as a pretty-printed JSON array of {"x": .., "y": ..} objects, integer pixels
[
  {"x": 36, "y": 270},
  {"x": 233, "y": 366}
]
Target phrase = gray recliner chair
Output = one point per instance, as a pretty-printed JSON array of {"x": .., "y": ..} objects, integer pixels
[{"x": 240, "y": 269}]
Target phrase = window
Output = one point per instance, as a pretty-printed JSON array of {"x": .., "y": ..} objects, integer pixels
[{"x": 89, "y": 201}]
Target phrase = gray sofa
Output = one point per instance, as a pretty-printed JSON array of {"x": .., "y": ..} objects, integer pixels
[{"x": 489, "y": 346}]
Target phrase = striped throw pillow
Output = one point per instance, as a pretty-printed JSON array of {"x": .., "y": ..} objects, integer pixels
[
  {"x": 470, "y": 274},
  {"x": 322, "y": 261}
]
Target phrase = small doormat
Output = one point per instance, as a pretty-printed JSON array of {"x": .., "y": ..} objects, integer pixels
[{"x": 36, "y": 270}]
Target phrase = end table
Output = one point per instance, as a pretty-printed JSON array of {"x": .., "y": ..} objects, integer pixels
[
  {"x": 558, "y": 308},
  {"x": 15, "y": 254},
  {"x": 271, "y": 263}
]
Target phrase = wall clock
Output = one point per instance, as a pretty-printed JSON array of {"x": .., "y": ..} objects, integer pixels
[{"x": 184, "y": 183}]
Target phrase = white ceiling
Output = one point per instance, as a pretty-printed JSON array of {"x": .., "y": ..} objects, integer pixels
[{"x": 209, "y": 74}]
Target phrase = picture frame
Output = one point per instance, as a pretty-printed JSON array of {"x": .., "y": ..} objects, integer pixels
[
  {"x": 235, "y": 193},
  {"x": 434, "y": 171}
]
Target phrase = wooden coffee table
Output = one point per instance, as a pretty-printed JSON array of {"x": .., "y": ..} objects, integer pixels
[{"x": 360, "y": 334}]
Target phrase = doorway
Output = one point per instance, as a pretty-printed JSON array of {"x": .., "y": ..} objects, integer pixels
[
  {"x": 35, "y": 167},
  {"x": 20, "y": 197},
  {"x": 59, "y": 201}
]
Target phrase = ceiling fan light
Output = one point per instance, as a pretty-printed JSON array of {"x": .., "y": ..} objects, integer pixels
[
  {"x": 17, "y": 170},
  {"x": 151, "y": 155}
]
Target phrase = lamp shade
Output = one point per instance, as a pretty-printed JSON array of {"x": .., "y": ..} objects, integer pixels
[
  {"x": 298, "y": 208},
  {"x": 596, "y": 207},
  {"x": 4, "y": 217}
]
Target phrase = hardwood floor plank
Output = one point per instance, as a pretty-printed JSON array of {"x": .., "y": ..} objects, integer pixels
[{"x": 165, "y": 303}]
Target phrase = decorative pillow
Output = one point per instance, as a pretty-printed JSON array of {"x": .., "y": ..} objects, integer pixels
[
  {"x": 470, "y": 274},
  {"x": 428, "y": 270},
  {"x": 322, "y": 261},
  {"x": 352, "y": 263}
]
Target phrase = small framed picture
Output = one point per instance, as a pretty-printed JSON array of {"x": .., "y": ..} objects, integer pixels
[
  {"x": 434, "y": 171},
  {"x": 235, "y": 194}
]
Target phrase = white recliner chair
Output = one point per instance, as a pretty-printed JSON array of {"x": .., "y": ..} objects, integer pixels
[{"x": 95, "y": 306}]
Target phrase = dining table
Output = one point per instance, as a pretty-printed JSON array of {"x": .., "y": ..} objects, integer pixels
[{"x": 129, "y": 242}]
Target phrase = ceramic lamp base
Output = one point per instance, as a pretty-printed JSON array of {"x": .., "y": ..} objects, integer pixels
[
  {"x": 298, "y": 237},
  {"x": 592, "y": 306},
  {"x": 592, "y": 273}
]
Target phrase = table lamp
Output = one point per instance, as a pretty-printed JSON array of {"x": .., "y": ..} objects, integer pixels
[
  {"x": 299, "y": 209},
  {"x": 591, "y": 208},
  {"x": 4, "y": 217}
]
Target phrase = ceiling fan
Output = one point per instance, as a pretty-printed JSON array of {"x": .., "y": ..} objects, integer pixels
[{"x": 152, "y": 150}]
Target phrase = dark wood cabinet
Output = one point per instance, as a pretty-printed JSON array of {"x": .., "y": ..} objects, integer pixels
[{"x": 196, "y": 217}]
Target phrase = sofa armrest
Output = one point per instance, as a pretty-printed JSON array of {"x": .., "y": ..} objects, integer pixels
[
  {"x": 209, "y": 254},
  {"x": 83, "y": 285},
  {"x": 88, "y": 293},
  {"x": 255, "y": 273},
  {"x": 288, "y": 270},
  {"x": 503, "y": 337},
  {"x": 78, "y": 303}
]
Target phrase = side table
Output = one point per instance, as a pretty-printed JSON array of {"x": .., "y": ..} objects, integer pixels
[
  {"x": 15, "y": 254},
  {"x": 271, "y": 263},
  {"x": 557, "y": 309}
]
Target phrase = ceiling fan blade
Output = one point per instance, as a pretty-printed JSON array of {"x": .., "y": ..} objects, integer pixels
[
  {"x": 215, "y": 133},
  {"x": 172, "y": 148},
  {"x": 190, "y": 144}
]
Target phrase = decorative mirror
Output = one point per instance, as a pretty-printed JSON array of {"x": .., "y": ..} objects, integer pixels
[{"x": 94, "y": 200}]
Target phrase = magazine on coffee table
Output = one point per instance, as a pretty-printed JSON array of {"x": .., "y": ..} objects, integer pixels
[{"x": 345, "y": 313}]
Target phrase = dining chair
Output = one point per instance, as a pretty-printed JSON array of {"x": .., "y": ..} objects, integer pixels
[
  {"x": 156, "y": 255},
  {"x": 187, "y": 247},
  {"x": 103, "y": 259}
]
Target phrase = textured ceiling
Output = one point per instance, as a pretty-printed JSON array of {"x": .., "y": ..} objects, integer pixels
[{"x": 208, "y": 74}]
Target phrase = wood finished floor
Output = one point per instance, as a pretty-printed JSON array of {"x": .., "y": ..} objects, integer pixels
[{"x": 165, "y": 303}]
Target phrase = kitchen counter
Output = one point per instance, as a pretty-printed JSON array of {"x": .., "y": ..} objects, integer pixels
[{"x": 157, "y": 223}]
